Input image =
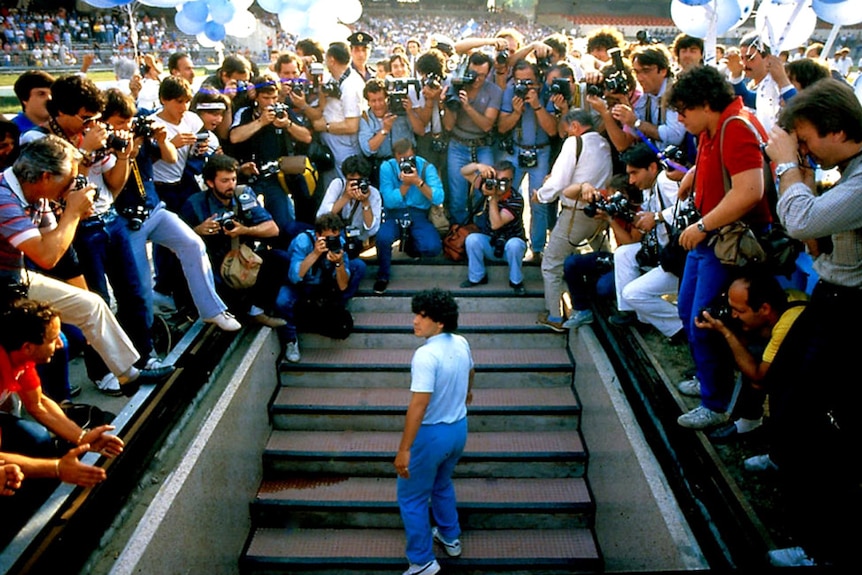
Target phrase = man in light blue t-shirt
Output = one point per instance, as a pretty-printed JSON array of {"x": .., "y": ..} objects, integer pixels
[{"x": 435, "y": 431}]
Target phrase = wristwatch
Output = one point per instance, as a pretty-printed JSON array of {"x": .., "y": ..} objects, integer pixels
[
  {"x": 638, "y": 123},
  {"x": 700, "y": 227},
  {"x": 781, "y": 169},
  {"x": 658, "y": 217},
  {"x": 383, "y": 132}
]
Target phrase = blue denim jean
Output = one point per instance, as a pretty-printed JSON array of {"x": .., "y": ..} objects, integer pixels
[
  {"x": 424, "y": 238},
  {"x": 433, "y": 456},
  {"x": 478, "y": 248},
  {"x": 586, "y": 278},
  {"x": 459, "y": 156},
  {"x": 106, "y": 254},
  {"x": 543, "y": 217},
  {"x": 703, "y": 279}
]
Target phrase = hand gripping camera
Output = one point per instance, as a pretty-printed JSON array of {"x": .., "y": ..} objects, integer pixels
[
  {"x": 397, "y": 90},
  {"x": 522, "y": 88},
  {"x": 616, "y": 206},
  {"x": 452, "y": 101}
]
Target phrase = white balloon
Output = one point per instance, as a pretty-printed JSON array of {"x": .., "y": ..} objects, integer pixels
[
  {"x": 242, "y": 4},
  {"x": 292, "y": 20},
  {"x": 323, "y": 13},
  {"x": 204, "y": 41},
  {"x": 349, "y": 11},
  {"x": 772, "y": 20},
  {"x": 242, "y": 25},
  {"x": 838, "y": 14},
  {"x": 695, "y": 20},
  {"x": 329, "y": 33},
  {"x": 746, "y": 7},
  {"x": 159, "y": 3}
]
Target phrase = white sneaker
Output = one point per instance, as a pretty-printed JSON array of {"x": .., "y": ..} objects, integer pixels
[
  {"x": 579, "y": 318},
  {"x": 109, "y": 385},
  {"x": 452, "y": 548},
  {"x": 790, "y": 557},
  {"x": 225, "y": 321},
  {"x": 429, "y": 568},
  {"x": 690, "y": 387},
  {"x": 701, "y": 418},
  {"x": 759, "y": 463},
  {"x": 291, "y": 352},
  {"x": 153, "y": 363}
]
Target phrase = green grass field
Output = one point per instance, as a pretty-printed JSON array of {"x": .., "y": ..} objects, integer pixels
[{"x": 9, "y": 104}]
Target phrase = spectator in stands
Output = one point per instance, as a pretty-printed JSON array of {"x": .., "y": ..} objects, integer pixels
[
  {"x": 754, "y": 320},
  {"x": 44, "y": 172},
  {"x": 380, "y": 126},
  {"x": 409, "y": 185},
  {"x": 435, "y": 431},
  {"x": 359, "y": 49},
  {"x": 33, "y": 90},
  {"x": 261, "y": 134},
  {"x": 705, "y": 101},
  {"x": 769, "y": 85},
  {"x": 687, "y": 51},
  {"x": 589, "y": 275},
  {"x": 812, "y": 399},
  {"x": 225, "y": 212},
  {"x": 499, "y": 219},
  {"x": 584, "y": 159},
  {"x": 843, "y": 61},
  {"x": 528, "y": 116},
  {"x": 414, "y": 50},
  {"x": 471, "y": 114},
  {"x": 337, "y": 116},
  {"x": 323, "y": 278},
  {"x": 360, "y": 206}
]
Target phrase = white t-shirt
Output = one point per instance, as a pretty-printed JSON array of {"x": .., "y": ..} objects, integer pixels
[{"x": 171, "y": 173}]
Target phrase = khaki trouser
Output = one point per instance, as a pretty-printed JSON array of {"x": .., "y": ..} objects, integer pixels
[
  {"x": 89, "y": 313},
  {"x": 573, "y": 229}
]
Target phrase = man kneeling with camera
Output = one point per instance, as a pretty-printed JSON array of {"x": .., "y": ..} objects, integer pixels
[
  {"x": 498, "y": 208},
  {"x": 322, "y": 280}
]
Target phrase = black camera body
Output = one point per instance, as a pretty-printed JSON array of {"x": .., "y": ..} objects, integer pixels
[
  {"x": 686, "y": 215},
  {"x": 135, "y": 216},
  {"x": 452, "y": 101},
  {"x": 595, "y": 90},
  {"x": 528, "y": 159},
  {"x": 616, "y": 206},
  {"x": 242, "y": 86},
  {"x": 363, "y": 184},
  {"x": 499, "y": 185},
  {"x": 617, "y": 82},
  {"x": 226, "y": 221},
  {"x": 265, "y": 171},
  {"x": 353, "y": 241},
  {"x": 333, "y": 243},
  {"x": 80, "y": 182},
  {"x": 719, "y": 311},
  {"x": 673, "y": 154},
  {"x": 404, "y": 223},
  {"x": 433, "y": 81},
  {"x": 522, "y": 88},
  {"x": 115, "y": 142},
  {"x": 498, "y": 242},
  {"x": 331, "y": 89},
  {"x": 561, "y": 86},
  {"x": 280, "y": 110},
  {"x": 142, "y": 127},
  {"x": 407, "y": 165},
  {"x": 397, "y": 91},
  {"x": 502, "y": 57}
]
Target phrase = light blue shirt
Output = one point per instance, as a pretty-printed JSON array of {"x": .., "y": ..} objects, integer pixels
[{"x": 442, "y": 368}]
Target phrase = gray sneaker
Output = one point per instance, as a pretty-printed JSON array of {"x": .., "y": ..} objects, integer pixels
[
  {"x": 790, "y": 557},
  {"x": 701, "y": 418},
  {"x": 759, "y": 464},
  {"x": 579, "y": 318},
  {"x": 429, "y": 568},
  {"x": 291, "y": 352},
  {"x": 690, "y": 387},
  {"x": 452, "y": 548}
]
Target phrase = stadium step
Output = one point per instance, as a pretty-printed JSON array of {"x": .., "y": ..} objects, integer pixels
[{"x": 327, "y": 502}]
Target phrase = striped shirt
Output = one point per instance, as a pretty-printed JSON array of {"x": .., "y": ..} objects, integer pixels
[{"x": 19, "y": 222}]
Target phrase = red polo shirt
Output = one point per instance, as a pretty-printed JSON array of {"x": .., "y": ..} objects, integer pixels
[
  {"x": 741, "y": 152},
  {"x": 24, "y": 378}
]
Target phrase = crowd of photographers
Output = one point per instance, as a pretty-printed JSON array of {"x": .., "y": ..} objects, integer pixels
[{"x": 620, "y": 171}]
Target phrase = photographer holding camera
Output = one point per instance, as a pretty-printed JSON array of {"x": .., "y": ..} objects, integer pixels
[
  {"x": 357, "y": 202},
  {"x": 409, "y": 185},
  {"x": 383, "y": 124},
  {"x": 528, "y": 115},
  {"x": 472, "y": 106},
  {"x": 268, "y": 131},
  {"x": 501, "y": 227},
  {"x": 431, "y": 141},
  {"x": 322, "y": 279}
]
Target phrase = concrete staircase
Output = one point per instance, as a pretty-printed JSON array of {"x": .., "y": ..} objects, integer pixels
[{"x": 327, "y": 501}]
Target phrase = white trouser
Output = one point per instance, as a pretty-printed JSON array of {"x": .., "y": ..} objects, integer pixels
[{"x": 642, "y": 293}]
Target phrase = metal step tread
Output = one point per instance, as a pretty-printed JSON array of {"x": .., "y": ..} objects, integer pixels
[
  {"x": 481, "y": 445},
  {"x": 467, "y": 322},
  {"x": 354, "y": 359},
  {"x": 507, "y": 494},
  {"x": 323, "y": 401},
  {"x": 326, "y": 547},
  {"x": 410, "y": 286}
]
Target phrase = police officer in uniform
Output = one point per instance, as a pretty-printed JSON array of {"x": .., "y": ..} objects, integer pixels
[{"x": 359, "y": 42}]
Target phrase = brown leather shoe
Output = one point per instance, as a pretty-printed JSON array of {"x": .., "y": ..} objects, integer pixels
[{"x": 267, "y": 320}]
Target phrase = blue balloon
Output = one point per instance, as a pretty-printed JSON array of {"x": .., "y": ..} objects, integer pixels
[
  {"x": 695, "y": 2},
  {"x": 186, "y": 26},
  {"x": 214, "y": 31},
  {"x": 196, "y": 11},
  {"x": 107, "y": 3},
  {"x": 221, "y": 11},
  {"x": 273, "y": 6}
]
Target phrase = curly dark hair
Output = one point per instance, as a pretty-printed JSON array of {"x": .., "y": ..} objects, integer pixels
[
  {"x": 438, "y": 305},
  {"x": 699, "y": 86},
  {"x": 72, "y": 92},
  {"x": 30, "y": 318}
]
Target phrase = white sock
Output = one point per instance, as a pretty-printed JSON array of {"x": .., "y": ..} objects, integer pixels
[
  {"x": 129, "y": 375},
  {"x": 254, "y": 310},
  {"x": 745, "y": 425}
]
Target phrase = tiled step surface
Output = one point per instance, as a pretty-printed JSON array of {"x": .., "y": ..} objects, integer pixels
[
  {"x": 483, "y": 503},
  {"x": 368, "y": 409},
  {"x": 319, "y": 376},
  {"x": 370, "y": 453},
  {"x": 506, "y": 321},
  {"x": 467, "y": 303},
  {"x": 382, "y": 551}
]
